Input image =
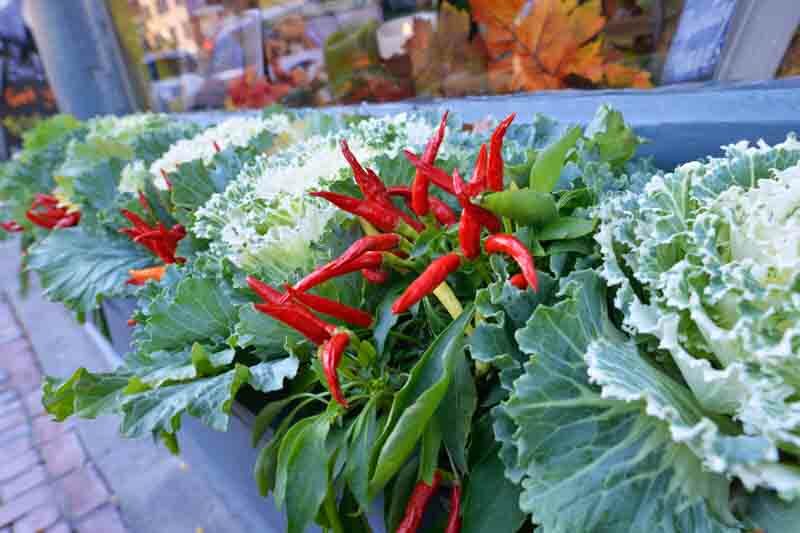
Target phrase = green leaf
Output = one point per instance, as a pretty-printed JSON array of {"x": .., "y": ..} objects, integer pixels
[
  {"x": 771, "y": 514},
  {"x": 266, "y": 416},
  {"x": 194, "y": 182},
  {"x": 417, "y": 401},
  {"x": 491, "y": 502},
  {"x": 79, "y": 268},
  {"x": 96, "y": 187},
  {"x": 305, "y": 462},
  {"x": 550, "y": 161},
  {"x": 386, "y": 319},
  {"x": 614, "y": 140},
  {"x": 208, "y": 399},
  {"x": 155, "y": 369},
  {"x": 398, "y": 494},
  {"x": 429, "y": 451},
  {"x": 565, "y": 228},
  {"x": 525, "y": 206},
  {"x": 268, "y": 376},
  {"x": 454, "y": 415},
  {"x": 202, "y": 309},
  {"x": 48, "y": 131},
  {"x": 353, "y": 520},
  {"x": 84, "y": 394},
  {"x": 361, "y": 440},
  {"x": 207, "y": 362},
  {"x": 265, "y": 470},
  {"x": 594, "y": 464}
]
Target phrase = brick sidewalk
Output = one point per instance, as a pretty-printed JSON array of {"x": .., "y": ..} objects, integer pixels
[{"x": 47, "y": 482}]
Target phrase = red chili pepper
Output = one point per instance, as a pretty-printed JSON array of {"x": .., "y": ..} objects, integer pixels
[
  {"x": 485, "y": 218},
  {"x": 469, "y": 229},
  {"x": 495, "y": 175},
  {"x": 375, "y": 276},
  {"x": 299, "y": 319},
  {"x": 439, "y": 177},
  {"x": 144, "y": 202},
  {"x": 426, "y": 283},
  {"x": 158, "y": 239},
  {"x": 381, "y": 216},
  {"x": 519, "y": 281},
  {"x": 329, "y": 307},
  {"x": 331, "y": 355},
  {"x": 510, "y": 245},
  {"x": 46, "y": 213},
  {"x": 370, "y": 184},
  {"x": 12, "y": 226},
  {"x": 478, "y": 182},
  {"x": 143, "y": 275},
  {"x": 469, "y": 235},
  {"x": 216, "y": 146},
  {"x": 381, "y": 243},
  {"x": 264, "y": 291},
  {"x": 131, "y": 322},
  {"x": 444, "y": 215},
  {"x": 417, "y": 502},
  {"x": 454, "y": 518},
  {"x": 68, "y": 221},
  {"x": 357, "y": 250},
  {"x": 419, "y": 187}
]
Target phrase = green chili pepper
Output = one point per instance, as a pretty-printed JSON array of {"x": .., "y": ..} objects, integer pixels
[
  {"x": 532, "y": 208},
  {"x": 547, "y": 168}
]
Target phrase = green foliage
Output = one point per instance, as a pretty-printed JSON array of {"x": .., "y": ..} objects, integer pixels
[{"x": 79, "y": 267}]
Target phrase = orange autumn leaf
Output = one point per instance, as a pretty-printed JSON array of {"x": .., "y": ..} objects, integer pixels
[{"x": 546, "y": 43}]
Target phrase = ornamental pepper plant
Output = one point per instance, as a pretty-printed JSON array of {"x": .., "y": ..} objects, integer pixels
[{"x": 500, "y": 330}]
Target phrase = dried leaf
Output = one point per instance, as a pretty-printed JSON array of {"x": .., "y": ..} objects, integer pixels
[{"x": 547, "y": 44}]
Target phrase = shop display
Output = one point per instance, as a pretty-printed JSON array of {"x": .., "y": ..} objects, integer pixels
[
  {"x": 491, "y": 329},
  {"x": 319, "y": 52}
]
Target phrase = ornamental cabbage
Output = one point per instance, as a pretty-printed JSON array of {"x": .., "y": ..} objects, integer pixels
[
  {"x": 236, "y": 132},
  {"x": 267, "y": 224},
  {"x": 706, "y": 262}
]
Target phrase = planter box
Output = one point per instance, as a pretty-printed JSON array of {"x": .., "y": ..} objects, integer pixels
[{"x": 683, "y": 124}]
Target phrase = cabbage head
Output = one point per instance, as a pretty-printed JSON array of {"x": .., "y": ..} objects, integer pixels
[{"x": 706, "y": 266}]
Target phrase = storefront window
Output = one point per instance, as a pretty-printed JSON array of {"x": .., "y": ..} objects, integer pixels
[{"x": 201, "y": 54}]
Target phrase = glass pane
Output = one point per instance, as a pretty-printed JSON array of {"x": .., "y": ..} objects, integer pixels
[{"x": 200, "y": 54}]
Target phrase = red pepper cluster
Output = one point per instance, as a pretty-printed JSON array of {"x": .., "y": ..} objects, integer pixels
[
  {"x": 46, "y": 213},
  {"x": 12, "y": 226},
  {"x": 373, "y": 254},
  {"x": 294, "y": 307},
  {"x": 158, "y": 239}
]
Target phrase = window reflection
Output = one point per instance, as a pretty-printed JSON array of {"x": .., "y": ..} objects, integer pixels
[{"x": 201, "y": 54}]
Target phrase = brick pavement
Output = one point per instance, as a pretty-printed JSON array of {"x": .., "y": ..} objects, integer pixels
[{"x": 48, "y": 483}]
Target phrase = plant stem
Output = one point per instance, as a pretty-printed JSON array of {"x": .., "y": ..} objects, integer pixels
[
  {"x": 332, "y": 513},
  {"x": 368, "y": 228},
  {"x": 448, "y": 298}
]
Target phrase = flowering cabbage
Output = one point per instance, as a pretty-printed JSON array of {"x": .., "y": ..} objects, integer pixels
[
  {"x": 706, "y": 261},
  {"x": 237, "y": 132},
  {"x": 134, "y": 140},
  {"x": 266, "y": 224}
]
